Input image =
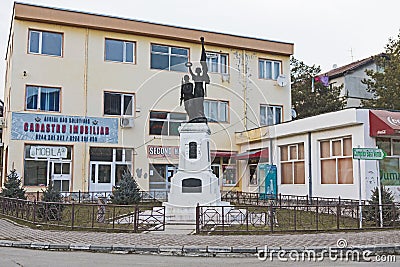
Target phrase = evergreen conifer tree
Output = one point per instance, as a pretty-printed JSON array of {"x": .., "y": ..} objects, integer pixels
[
  {"x": 371, "y": 212},
  {"x": 12, "y": 186},
  {"x": 127, "y": 192}
]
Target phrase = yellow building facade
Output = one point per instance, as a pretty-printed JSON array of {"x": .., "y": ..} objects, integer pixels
[{"x": 88, "y": 97}]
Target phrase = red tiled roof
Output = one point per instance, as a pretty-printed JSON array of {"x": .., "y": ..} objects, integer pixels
[{"x": 349, "y": 67}]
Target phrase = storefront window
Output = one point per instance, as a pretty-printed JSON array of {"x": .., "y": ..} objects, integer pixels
[
  {"x": 224, "y": 167},
  {"x": 107, "y": 167},
  {"x": 43, "y": 164},
  {"x": 253, "y": 174},
  {"x": 160, "y": 176},
  {"x": 389, "y": 167}
]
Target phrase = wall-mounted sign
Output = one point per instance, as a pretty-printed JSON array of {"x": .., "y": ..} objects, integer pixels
[
  {"x": 163, "y": 152},
  {"x": 57, "y": 128},
  {"x": 53, "y": 152}
]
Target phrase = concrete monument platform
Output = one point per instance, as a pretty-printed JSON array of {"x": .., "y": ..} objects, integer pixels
[{"x": 194, "y": 183}]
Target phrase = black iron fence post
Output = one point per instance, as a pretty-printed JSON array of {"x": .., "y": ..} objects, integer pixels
[
  {"x": 136, "y": 219},
  {"x": 247, "y": 219},
  {"x": 113, "y": 217},
  {"x": 271, "y": 217},
  {"x": 93, "y": 216},
  {"x": 394, "y": 215},
  {"x": 79, "y": 196},
  {"x": 197, "y": 218},
  {"x": 34, "y": 211},
  {"x": 72, "y": 215},
  {"x": 223, "y": 221},
  {"x": 295, "y": 218},
  {"x": 338, "y": 211},
  {"x": 316, "y": 216}
]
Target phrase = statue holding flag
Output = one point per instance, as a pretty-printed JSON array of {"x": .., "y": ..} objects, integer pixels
[{"x": 195, "y": 106}]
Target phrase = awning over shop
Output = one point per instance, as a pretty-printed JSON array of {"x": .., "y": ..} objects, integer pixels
[
  {"x": 227, "y": 154},
  {"x": 263, "y": 153},
  {"x": 383, "y": 122}
]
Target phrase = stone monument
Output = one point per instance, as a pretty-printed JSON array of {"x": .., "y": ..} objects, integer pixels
[{"x": 194, "y": 183}]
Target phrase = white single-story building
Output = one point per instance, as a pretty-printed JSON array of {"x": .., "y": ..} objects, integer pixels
[{"x": 313, "y": 156}]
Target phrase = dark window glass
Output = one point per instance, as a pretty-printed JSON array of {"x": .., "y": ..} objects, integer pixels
[
  {"x": 101, "y": 154},
  {"x": 159, "y": 61},
  {"x": 156, "y": 127},
  {"x": 159, "y": 48},
  {"x": 49, "y": 99},
  {"x": 128, "y": 52},
  {"x": 114, "y": 50},
  {"x": 104, "y": 175},
  {"x": 128, "y": 102},
  {"x": 51, "y": 43},
  {"x": 32, "y": 97},
  {"x": 178, "y": 63},
  {"x": 34, "y": 42},
  {"x": 158, "y": 115},
  {"x": 112, "y": 104},
  {"x": 179, "y": 51},
  {"x": 35, "y": 173}
]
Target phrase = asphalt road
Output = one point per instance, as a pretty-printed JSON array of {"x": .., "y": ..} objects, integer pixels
[{"x": 10, "y": 257}]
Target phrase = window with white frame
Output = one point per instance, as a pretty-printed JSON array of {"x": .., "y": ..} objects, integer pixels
[
  {"x": 40, "y": 168},
  {"x": 270, "y": 115},
  {"x": 45, "y": 43},
  {"x": 169, "y": 58},
  {"x": 42, "y": 98},
  {"x": 216, "y": 110},
  {"x": 120, "y": 51},
  {"x": 336, "y": 162},
  {"x": 118, "y": 104},
  {"x": 165, "y": 123},
  {"x": 269, "y": 69},
  {"x": 217, "y": 62},
  {"x": 109, "y": 164},
  {"x": 292, "y": 164}
]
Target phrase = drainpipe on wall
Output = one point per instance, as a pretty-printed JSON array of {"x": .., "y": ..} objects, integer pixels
[
  {"x": 309, "y": 170},
  {"x": 85, "y": 171},
  {"x": 244, "y": 89}
]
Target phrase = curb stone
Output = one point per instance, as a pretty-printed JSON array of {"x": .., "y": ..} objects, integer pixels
[
  {"x": 190, "y": 250},
  {"x": 58, "y": 246},
  {"x": 40, "y": 245}
]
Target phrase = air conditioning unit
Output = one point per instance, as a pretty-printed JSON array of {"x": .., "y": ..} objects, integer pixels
[{"x": 126, "y": 122}]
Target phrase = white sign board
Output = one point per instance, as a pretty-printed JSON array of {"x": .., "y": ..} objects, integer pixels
[{"x": 53, "y": 152}]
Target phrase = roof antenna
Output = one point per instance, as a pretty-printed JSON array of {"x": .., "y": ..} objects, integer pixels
[{"x": 351, "y": 54}]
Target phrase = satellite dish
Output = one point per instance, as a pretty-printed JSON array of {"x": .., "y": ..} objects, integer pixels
[
  {"x": 294, "y": 113},
  {"x": 281, "y": 80}
]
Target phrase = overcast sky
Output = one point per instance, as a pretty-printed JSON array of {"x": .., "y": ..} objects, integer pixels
[{"x": 323, "y": 32}]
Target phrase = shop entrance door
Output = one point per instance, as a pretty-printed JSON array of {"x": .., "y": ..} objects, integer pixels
[
  {"x": 60, "y": 173},
  {"x": 100, "y": 177}
]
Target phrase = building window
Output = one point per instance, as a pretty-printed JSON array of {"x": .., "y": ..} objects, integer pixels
[
  {"x": 43, "y": 164},
  {"x": 389, "y": 167},
  {"x": 169, "y": 58},
  {"x": 292, "y": 164},
  {"x": 120, "y": 51},
  {"x": 270, "y": 115},
  {"x": 42, "y": 98},
  {"x": 216, "y": 111},
  {"x": 225, "y": 166},
  {"x": 107, "y": 166},
  {"x": 336, "y": 161},
  {"x": 217, "y": 62},
  {"x": 269, "y": 69},
  {"x": 160, "y": 176},
  {"x": 165, "y": 123},
  {"x": 45, "y": 43},
  {"x": 118, "y": 104}
]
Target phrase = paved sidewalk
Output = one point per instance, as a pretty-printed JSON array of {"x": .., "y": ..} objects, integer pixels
[{"x": 16, "y": 235}]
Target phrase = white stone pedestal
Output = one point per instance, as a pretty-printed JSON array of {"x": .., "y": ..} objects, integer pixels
[{"x": 194, "y": 183}]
